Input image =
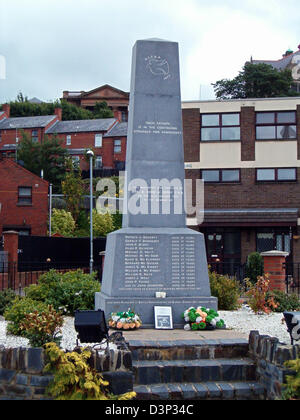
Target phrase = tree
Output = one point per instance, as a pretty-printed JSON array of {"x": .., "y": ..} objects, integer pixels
[
  {"x": 48, "y": 156},
  {"x": 72, "y": 188},
  {"x": 102, "y": 224},
  {"x": 21, "y": 107},
  {"x": 62, "y": 223},
  {"x": 256, "y": 81}
]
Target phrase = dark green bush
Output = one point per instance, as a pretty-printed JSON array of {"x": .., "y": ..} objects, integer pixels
[
  {"x": 254, "y": 267},
  {"x": 6, "y": 299},
  {"x": 284, "y": 301},
  {"x": 16, "y": 313},
  {"x": 65, "y": 292},
  {"x": 227, "y": 291}
]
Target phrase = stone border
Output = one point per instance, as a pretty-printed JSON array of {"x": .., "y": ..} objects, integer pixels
[
  {"x": 22, "y": 372},
  {"x": 270, "y": 357}
]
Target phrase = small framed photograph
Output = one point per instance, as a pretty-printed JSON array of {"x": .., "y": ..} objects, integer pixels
[{"x": 163, "y": 318}]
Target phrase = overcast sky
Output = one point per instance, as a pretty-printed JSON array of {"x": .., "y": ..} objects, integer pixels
[{"x": 55, "y": 45}]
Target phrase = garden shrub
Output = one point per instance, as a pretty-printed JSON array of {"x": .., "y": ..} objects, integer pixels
[
  {"x": 16, "y": 313},
  {"x": 284, "y": 301},
  {"x": 254, "y": 267},
  {"x": 66, "y": 292},
  {"x": 226, "y": 289},
  {"x": 74, "y": 379},
  {"x": 6, "y": 299},
  {"x": 42, "y": 328},
  {"x": 259, "y": 299},
  {"x": 292, "y": 389}
]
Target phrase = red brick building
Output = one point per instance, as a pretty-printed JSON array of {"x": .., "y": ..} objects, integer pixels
[
  {"x": 116, "y": 99},
  {"x": 107, "y": 137},
  {"x": 23, "y": 200},
  {"x": 248, "y": 154}
]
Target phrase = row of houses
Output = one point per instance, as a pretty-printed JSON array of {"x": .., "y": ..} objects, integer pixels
[{"x": 247, "y": 152}]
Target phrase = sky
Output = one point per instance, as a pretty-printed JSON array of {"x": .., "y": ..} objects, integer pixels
[{"x": 48, "y": 46}]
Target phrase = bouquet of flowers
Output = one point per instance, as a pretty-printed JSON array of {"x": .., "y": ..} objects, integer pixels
[
  {"x": 202, "y": 319},
  {"x": 124, "y": 320}
]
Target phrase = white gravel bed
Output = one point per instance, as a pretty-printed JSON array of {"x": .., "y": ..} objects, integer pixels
[
  {"x": 243, "y": 320},
  {"x": 68, "y": 332}
]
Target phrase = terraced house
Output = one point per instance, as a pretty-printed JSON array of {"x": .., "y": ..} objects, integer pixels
[
  {"x": 107, "y": 137},
  {"x": 248, "y": 154}
]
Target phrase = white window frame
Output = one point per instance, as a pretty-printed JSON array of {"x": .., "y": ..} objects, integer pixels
[
  {"x": 98, "y": 143},
  {"x": 69, "y": 140}
]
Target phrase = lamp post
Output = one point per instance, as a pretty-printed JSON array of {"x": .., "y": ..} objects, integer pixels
[{"x": 90, "y": 154}]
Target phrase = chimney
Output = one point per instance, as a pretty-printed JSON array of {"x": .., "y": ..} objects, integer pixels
[
  {"x": 117, "y": 114},
  {"x": 58, "y": 113},
  {"x": 6, "y": 109}
]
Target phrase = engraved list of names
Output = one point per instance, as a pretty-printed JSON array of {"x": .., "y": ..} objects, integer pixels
[{"x": 146, "y": 270}]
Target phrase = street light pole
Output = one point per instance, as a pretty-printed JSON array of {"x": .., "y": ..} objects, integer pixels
[{"x": 90, "y": 154}]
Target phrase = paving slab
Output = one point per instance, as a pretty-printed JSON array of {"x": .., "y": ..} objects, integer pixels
[{"x": 188, "y": 337}]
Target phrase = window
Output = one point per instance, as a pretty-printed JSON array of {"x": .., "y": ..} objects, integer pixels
[
  {"x": 276, "y": 125},
  {"x": 34, "y": 136},
  {"x": 98, "y": 162},
  {"x": 276, "y": 175},
  {"x": 25, "y": 195},
  {"x": 69, "y": 140},
  {"x": 220, "y": 127},
  {"x": 273, "y": 240},
  {"x": 98, "y": 140},
  {"x": 221, "y": 175},
  {"x": 117, "y": 146}
]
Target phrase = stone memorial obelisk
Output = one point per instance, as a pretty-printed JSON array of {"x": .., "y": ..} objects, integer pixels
[{"x": 154, "y": 260}]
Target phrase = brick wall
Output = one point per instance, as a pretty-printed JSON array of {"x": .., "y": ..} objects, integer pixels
[
  {"x": 248, "y": 134},
  {"x": 34, "y": 216},
  {"x": 22, "y": 374},
  {"x": 249, "y": 194},
  {"x": 191, "y": 134}
]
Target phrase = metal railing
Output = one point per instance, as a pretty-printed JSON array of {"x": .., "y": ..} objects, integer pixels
[
  {"x": 18, "y": 276},
  {"x": 293, "y": 278}
]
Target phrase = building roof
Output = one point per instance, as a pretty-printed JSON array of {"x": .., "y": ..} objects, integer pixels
[
  {"x": 11, "y": 163},
  {"x": 81, "y": 126},
  {"x": 251, "y": 217},
  {"x": 281, "y": 64},
  {"x": 118, "y": 130},
  {"x": 26, "y": 122}
]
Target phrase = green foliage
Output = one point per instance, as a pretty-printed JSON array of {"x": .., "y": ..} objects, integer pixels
[
  {"x": 256, "y": 81},
  {"x": 72, "y": 188},
  {"x": 6, "y": 299},
  {"x": 21, "y": 107},
  {"x": 254, "y": 267},
  {"x": 117, "y": 220},
  {"x": 284, "y": 302},
  {"x": 48, "y": 156},
  {"x": 227, "y": 291},
  {"x": 66, "y": 292},
  {"x": 42, "y": 328},
  {"x": 74, "y": 379},
  {"x": 62, "y": 223},
  {"x": 292, "y": 389},
  {"x": 102, "y": 224},
  {"x": 16, "y": 313},
  {"x": 259, "y": 299}
]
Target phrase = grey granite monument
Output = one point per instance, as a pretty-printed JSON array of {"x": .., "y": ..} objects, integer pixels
[{"x": 154, "y": 260}]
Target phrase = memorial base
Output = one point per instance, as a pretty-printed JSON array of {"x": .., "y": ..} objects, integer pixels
[{"x": 145, "y": 306}]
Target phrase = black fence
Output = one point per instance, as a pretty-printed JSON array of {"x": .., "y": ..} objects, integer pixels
[
  {"x": 102, "y": 173},
  {"x": 293, "y": 278},
  {"x": 231, "y": 269},
  {"x": 37, "y": 249},
  {"x": 12, "y": 278}
]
